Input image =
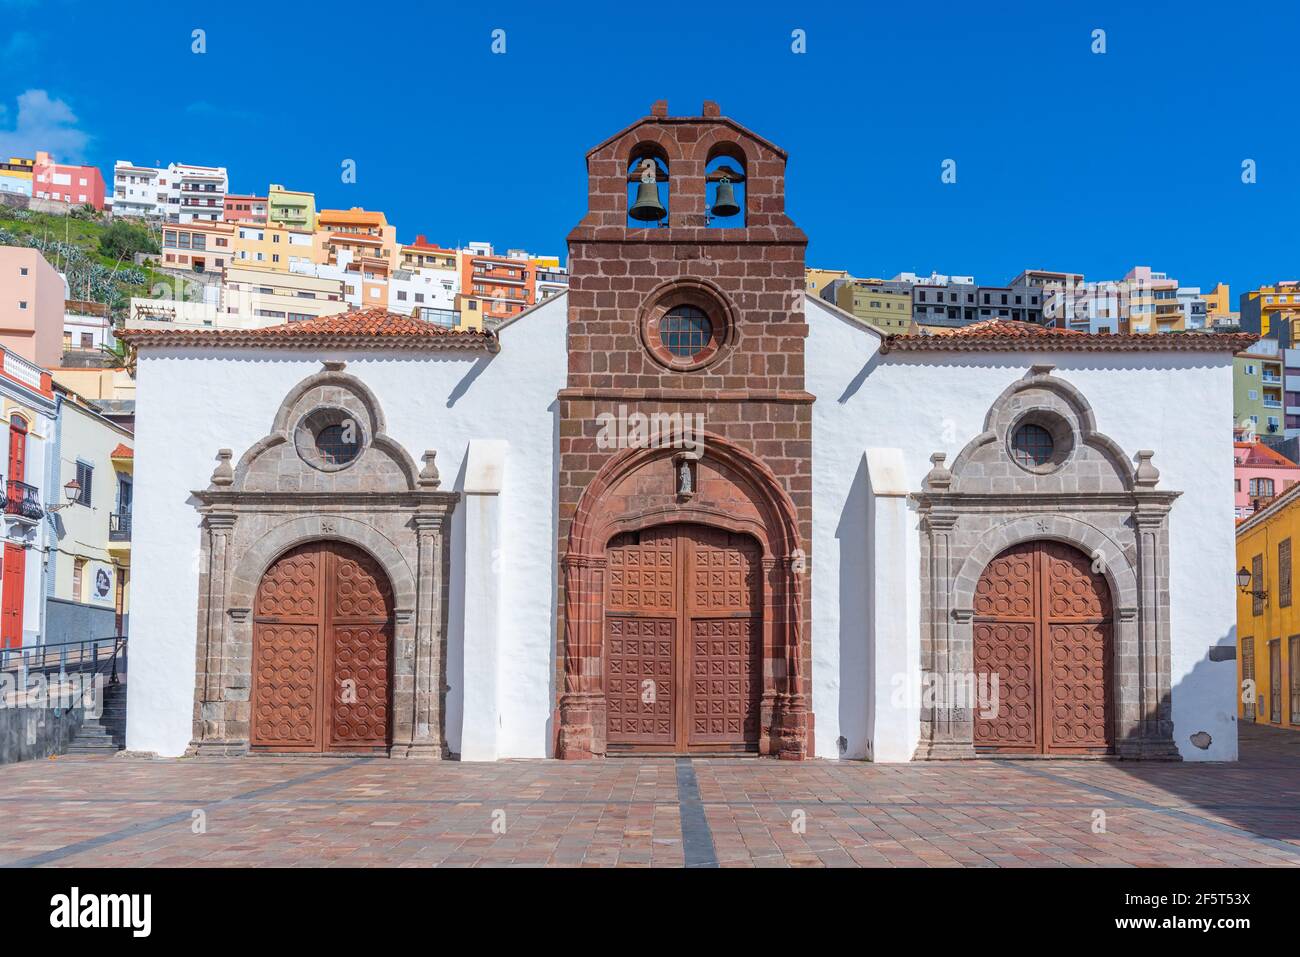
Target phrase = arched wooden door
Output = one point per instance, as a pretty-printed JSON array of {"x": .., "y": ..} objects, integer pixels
[
  {"x": 1043, "y": 624},
  {"x": 322, "y": 643},
  {"x": 683, "y": 640}
]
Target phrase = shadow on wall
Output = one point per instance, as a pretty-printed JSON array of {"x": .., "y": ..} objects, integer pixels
[
  {"x": 1259, "y": 793},
  {"x": 856, "y": 639}
]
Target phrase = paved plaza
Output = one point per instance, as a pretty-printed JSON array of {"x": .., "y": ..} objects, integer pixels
[{"x": 312, "y": 812}]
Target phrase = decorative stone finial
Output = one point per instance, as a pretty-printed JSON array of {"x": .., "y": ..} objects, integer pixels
[
  {"x": 224, "y": 473},
  {"x": 334, "y": 365},
  {"x": 429, "y": 477},
  {"x": 938, "y": 477},
  {"x": 1147, "y": 474},
  {"x": 1040, "y": 369},
  {"x": 659, "y": 108},
  {"x": 711, "y": 108}
]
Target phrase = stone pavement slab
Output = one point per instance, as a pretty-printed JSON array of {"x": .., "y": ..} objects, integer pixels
[{"x": 654, "y": 812}]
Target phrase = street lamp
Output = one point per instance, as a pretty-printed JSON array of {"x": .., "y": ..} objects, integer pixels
[
  {"x": 1243, "y": 583},
  {"x": 72, "y": 492}
]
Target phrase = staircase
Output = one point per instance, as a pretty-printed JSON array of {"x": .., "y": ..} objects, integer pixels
[{"x": 107, "y": 733}]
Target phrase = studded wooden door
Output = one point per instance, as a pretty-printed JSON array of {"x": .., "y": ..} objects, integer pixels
[
  {"x": 683, "y": 640},
  {"x": 1043, "y": 626},
  {"x": 322, "y": 637}
]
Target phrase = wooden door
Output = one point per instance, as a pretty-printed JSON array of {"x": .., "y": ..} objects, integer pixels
[
  {"x": 1043, "y": 626},
  {"x": 1275, "y": 681},
  {"x": 683, "y": 640},
  {"x": 1293, "y": 678},
  {"x": 17, "y": 448},
  {"x": 322, "y": 636},
  {"x": 11, "y": 596}
]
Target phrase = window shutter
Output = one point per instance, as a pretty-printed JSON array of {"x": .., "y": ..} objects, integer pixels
[
  {"x": 1257, "y": 584},
  {"x": 85, "y": 474},
  {"x": 1284, "y": 573}
]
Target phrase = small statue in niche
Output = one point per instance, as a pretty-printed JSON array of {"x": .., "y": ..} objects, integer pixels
[{"x": 684, "y": 487}]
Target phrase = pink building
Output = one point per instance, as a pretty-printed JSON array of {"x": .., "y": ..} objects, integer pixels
[
  {"x": 244, "y": 209},
  {"x": 1260, "y": 473},
  {"x": 76, "y": 185},
  {"x": 31, "y": 306}
]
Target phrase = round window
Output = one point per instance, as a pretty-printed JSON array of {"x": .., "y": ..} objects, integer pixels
[
  {"x": 329, "y": 439},
  {"x": 686, "y": 332},
  {"x": 1032, "y": 446}
]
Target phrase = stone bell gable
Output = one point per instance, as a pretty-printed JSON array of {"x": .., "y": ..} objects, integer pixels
[{"x": 738, "y": 393}]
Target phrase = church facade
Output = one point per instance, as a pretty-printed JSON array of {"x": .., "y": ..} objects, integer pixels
[{"x": 680, "y": 509}]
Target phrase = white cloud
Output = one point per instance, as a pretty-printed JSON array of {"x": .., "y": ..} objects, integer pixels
[{"x": 47, "y": 124}]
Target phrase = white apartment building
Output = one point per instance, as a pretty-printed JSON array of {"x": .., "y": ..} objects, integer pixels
[
  {"x": 138, "y": 191},
  {"x": 196, "y": 193},
  {"x": 181, "y": 193}
]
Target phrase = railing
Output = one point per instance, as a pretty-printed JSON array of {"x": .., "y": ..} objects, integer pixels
[
  {"x": 91, "y": 656},
  {"x": 22, "y": 370},
  {"x": 119, "y": 526},
  {"x": 23, "y": 500}
]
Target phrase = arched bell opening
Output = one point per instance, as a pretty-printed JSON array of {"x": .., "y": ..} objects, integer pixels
[
  {"x": 648, "y": 190},
  {"x": 724, "y": 187}
]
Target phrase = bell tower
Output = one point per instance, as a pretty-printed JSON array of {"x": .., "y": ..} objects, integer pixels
[{"x": 685, "y": 407}]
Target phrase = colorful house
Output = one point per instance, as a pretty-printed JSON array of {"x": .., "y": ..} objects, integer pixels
[
  {"x": 1259, "y": 474},
  {"x": 1268, "y": 627},
  {"x": 16, "y": 176},
  {"x": 76, "y": 185}
]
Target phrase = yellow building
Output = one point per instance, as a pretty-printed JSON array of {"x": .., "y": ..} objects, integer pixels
[
  {"x": 270, "y": 246},
  {"x": 1268, "y": 622},
  {"x": 880, "y": 303},
  {"x": 815, "y": 280},
  {"x": 1218, "y": 306},
  {"x": 1273, "y": 312},
  {"x": 16, "y": 176},
  {"x": 255, "y": 296}
]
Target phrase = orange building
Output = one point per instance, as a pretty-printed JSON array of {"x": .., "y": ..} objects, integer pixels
[
  {"x": 505, "y": 285},
  {"x": 360, "y": 232}
]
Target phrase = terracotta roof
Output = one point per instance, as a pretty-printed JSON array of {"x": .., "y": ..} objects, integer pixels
[
  {"x": 1257, "y": 453},
  {"x": 122, "y": 452},
  {"x": 355, "y": 328},
  {"x": 998, "y": 335}
]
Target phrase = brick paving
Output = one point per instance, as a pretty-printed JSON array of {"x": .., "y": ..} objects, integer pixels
[{"x": 316, "y": 812}]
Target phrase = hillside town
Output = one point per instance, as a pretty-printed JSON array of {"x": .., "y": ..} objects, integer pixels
[{"x": 91, "y": 261}]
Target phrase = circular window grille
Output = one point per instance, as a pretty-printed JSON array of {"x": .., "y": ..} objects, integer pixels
[
  {"x": 338, "y": 444},
  {"x": 329, "y": 439},
  {"x": 1032, "y": 446},
  {"x": 686, "y": 332}
]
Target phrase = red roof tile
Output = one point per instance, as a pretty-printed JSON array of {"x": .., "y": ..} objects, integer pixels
[
  {"x": 122, "y": 452},
  {"x": 356, "y": 327},
  {"x": 997, "y": 335},
  {"x": 1257, "y": 453}
]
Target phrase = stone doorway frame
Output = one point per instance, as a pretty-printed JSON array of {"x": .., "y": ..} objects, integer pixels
[
  {"x": 1100, "y": 503},
  {"x": 272, "y": 501},
  {"x": 783, "y": 716}
]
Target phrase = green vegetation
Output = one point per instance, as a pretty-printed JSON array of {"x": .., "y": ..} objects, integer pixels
[{"x": 94, "y": 253}]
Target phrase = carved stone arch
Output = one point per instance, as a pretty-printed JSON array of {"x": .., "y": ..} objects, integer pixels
[
  {"x": 252, "y": 564},
  {"x": 331, "y": 389},
  {"x": 1116, "y": 566},
  {"x": 277, "y": 499},
  {"x": 638, "y": 489},
  {"x": 1017, "y": 403},
  {"x": 1091, "y": 498}
]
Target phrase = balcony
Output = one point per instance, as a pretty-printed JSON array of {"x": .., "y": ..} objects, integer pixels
[
  {"x": 23, "y": 501},
  {"x": 119, "y": 526}
]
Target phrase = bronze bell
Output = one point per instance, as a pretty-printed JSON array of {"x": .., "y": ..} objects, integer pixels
[
  {"x": 647, "y": 207},
  {"x": 724, "y": 202}
]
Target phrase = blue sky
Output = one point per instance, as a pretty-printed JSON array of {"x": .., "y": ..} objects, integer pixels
[{"x": 1066, "y": 159}]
